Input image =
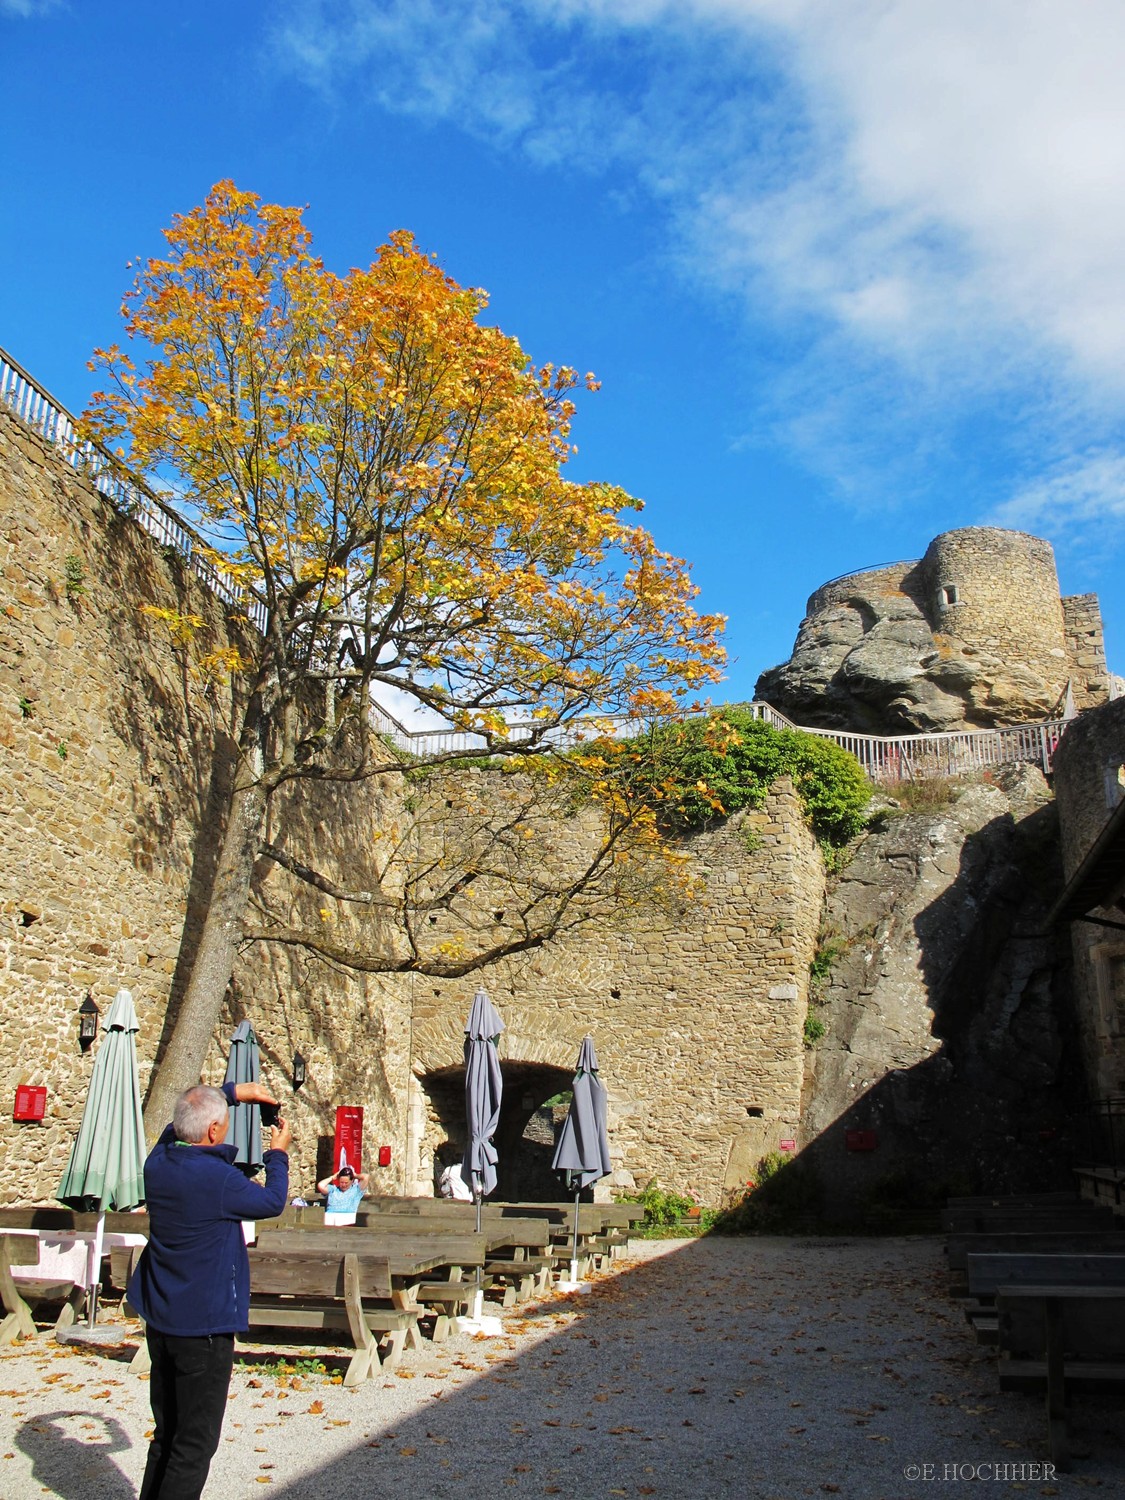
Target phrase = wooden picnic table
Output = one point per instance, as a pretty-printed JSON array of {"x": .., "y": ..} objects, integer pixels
[
  {"x": 64, "y": 1262},
  {"x": 412, "y": 1291},
  {"x": 1060, "y": 1333}
]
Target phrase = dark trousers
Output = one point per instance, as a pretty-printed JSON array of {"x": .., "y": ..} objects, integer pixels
[{"x": 188, "y": 1391}]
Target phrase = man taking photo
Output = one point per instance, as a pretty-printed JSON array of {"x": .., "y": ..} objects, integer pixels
[{"x": 192, "y": 1284}]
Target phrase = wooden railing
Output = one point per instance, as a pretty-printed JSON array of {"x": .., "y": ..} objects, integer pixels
[{"x": 886, "y": 758}]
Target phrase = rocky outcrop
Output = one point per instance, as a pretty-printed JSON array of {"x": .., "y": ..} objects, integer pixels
[
  {"x": 973, "y": 635},
  {"x": 949, "y": 1033}
]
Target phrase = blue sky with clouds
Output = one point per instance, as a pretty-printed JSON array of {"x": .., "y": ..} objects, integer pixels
[{"x": 850, "y": 271}]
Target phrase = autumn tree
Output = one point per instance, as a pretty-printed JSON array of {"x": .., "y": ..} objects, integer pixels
[{"x": 382, "y": 473}]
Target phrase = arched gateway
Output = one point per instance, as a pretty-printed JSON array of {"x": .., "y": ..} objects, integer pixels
[{"x": 535, "y": 1069}]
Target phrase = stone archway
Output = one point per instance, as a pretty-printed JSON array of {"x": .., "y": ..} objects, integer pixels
[{"x": 525, "y": 1156}]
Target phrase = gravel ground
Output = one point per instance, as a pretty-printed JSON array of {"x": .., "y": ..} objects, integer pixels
[{"x": 753, "y": 1368}]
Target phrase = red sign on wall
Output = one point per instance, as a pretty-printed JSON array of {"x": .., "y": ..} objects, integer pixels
[
  {"x": 348, "y": 1144},
  {"x": 384, "y": 1156},
  {"x": 860, "y": 1140},
  {"x": 787, "y": 1145},
  {"x": 31, "y": 1103}
]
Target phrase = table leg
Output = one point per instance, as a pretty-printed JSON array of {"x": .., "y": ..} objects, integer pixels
[{"x": 1056, "y": 1384}]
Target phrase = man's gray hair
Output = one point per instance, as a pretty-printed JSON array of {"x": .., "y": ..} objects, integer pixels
[{"x": 197, "y": 1109}]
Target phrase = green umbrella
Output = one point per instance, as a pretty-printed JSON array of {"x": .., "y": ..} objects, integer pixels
[{"x": 106, "y": 1167}]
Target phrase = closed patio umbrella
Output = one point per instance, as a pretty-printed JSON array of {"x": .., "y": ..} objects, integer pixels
[
  {"x": 106, "y": 1166},
  {"x": 483, "y": 1091},
  {"x": 583, "y": 1148},
  {"x": 244, "y": 1066}
]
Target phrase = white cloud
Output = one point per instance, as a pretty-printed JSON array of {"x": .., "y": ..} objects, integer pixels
[
  {"x": 930, "y": 167},
  {"x": 1081, "y": 503},
  {"x": 928, "y": 188},
  {"x": 23, "y": 10}
]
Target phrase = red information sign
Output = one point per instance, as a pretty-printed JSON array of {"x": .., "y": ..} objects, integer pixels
[
  {"x": 348, "y": 1144},
  {"x": 860, "y": 1140},
  {"x": 787, "y": 1145},
  {"x": 384, "y": 1156},
  {"x": 31, "y": 1103}
]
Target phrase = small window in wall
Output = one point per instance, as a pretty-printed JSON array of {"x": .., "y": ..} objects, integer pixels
[{"x": 949, "y": 594}]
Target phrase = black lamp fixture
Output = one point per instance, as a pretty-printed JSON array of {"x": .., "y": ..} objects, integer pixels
[
  {"x": 88, "y": 1014},
  {"x": 300, "y": 1068}
]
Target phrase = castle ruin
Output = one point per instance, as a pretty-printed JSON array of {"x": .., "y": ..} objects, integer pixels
[{"x": 973, "y": 635}]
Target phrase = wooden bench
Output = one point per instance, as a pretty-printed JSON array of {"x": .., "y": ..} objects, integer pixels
[
  {"x": 323, "y": 1290},
  {"x": 1057, "y": 1218},
  {"x": 1062, "y": 1196},
  {"x": 988, "y": 1273},
  {"x": 410, "y": 1259},
  {"x": 16, "y": 1250},
  {"x": 1061, "y": 1334},
  {"x": 311, "y": 1289}
]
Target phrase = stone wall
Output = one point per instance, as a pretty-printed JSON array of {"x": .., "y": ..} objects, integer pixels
[
  {"x": 106, "y": 756},
  {"x": 113, "y": 758},
  {"x": 997, "y": 593},
  {"x": 1085, "y": 648},
  {"x": 1089, "y": 784}
]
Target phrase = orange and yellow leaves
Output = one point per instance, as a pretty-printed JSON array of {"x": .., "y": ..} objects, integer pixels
[{"x": 360, "y": 448}]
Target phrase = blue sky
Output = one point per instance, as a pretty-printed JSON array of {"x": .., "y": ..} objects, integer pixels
[{"x": 850, "y": 271}]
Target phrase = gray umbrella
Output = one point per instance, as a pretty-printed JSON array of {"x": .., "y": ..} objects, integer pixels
[
  {"x": 483, "y": 1091},
  {"x": 244, "y": 1066},
  {"x": 583, "y": 1148}
]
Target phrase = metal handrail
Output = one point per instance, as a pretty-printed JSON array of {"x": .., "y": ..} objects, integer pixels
[
  {"x": 906, "y": 562},
  {"x": 30, "y": 401},
  {"x": 883, "y": 757}
]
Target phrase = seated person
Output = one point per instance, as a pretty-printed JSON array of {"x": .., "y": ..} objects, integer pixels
[
  {"x": 453, "y": 1185},
  {"x": 343, "y": 1191}
]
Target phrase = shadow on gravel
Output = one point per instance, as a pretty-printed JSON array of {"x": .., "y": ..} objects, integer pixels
[
  {"x": 75, "y": 1466},
  {"x": 753, "y": 1368}
]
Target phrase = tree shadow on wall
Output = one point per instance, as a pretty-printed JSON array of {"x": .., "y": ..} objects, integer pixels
[{"x": 185, "y": 755}]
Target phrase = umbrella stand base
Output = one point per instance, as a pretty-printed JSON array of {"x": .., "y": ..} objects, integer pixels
[
  {"x": 487, "y": 1327},
  {"x": 107, "y": 1334},
  {"x": 476, "y": 1321},
  {"x": 575, "y": 1284}
]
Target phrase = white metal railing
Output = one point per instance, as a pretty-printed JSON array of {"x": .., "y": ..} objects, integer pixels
[
  {"x": 883, "y": 757},
  {"x": 902, "y": 757},
  {"x": 24, "y": 396}
]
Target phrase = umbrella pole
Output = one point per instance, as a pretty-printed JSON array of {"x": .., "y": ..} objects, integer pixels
[
  {"x": 478, "y": 1295},
  {"x": 94, "y": 1273},
  {"x": 574, "y": 1250}
]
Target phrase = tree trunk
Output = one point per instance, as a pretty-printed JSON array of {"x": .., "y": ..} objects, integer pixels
[{"x": 199, "y": 1012}]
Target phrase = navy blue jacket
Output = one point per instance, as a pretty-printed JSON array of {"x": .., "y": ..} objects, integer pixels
[{"x": 194, "y": 1276}]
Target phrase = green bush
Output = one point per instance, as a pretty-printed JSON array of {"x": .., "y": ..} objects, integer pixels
[
  {"x": 712, "y": 767},
  {"x": 669, "y": 1213},
  {"x": 784, "y": 1199}
]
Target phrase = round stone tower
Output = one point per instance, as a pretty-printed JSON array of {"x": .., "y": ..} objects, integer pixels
[{"x": 996, "y": 592}]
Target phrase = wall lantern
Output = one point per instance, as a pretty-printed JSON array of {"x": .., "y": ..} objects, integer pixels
[
  {"x": 88, "y": 1014},
  {"x": 300, "y": 1071}
]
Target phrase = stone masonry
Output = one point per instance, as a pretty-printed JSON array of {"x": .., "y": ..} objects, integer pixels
[{"x": 113, "y": 753}]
